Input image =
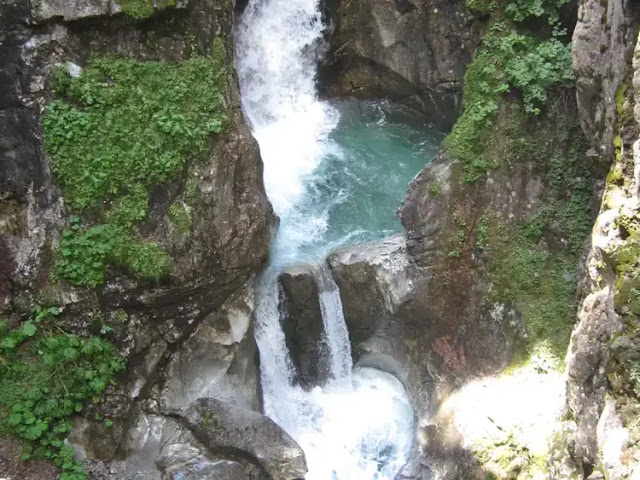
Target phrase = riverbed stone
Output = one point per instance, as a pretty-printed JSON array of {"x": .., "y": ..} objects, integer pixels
[
  {"x": 223, "y": 427},
  {"x": 302, "y": 324}
]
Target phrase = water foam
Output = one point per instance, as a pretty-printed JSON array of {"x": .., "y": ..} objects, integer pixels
[
  {"x": 359, "y": 425},
  {"x": 276, "y": 63}
]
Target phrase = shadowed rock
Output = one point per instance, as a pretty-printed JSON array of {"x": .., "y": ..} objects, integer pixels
[{"x": 302, "y": 323}]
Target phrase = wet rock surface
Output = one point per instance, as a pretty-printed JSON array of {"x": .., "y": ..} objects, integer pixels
[
  {"x": 223, "y": 427},
  {"x": 410, "y": 51},
  {"x": 302, "y": 324}
]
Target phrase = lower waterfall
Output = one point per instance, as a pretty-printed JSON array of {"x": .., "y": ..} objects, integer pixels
[
  {"x": 359, "y": 424},
  {"x": 335, "y": 174}
]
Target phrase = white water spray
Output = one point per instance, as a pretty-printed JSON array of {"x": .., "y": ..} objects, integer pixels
[
  {"x": 359, "y": 425},
  {"x": 276, "y": 41},
  {"x": 335, "y": 328}
]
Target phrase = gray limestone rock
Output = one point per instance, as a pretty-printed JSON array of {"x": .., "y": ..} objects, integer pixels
[
  {"x": 70, "y": 9},
  {"x": 223, "y": 428},
  {"x": 410, "y": 51},
  {"x": 302, "y": 323}
]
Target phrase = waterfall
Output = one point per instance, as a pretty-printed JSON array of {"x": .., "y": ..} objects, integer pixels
[
  {"x": 276, "y": 47},
  {"x": 358, "y": 426},
  {"x": 335, "y": 327}
]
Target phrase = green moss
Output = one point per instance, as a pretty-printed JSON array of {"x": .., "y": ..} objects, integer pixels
[
  {"x": 617, "y": 144},
  {"x": 541, "y": 284},
  {"x": 458, "y": 241},
  {"x": 620, "y": 99},
  {"x": 140, "y": 9},
  {"x": 505, "y": 458},
  {"x": 533, "y": 259},
  {"x": 119, "y": 130},
  {"x": 512, "y": 61},
  {"x": 482, "y": 231},
  {"x": 624, "y": 255},
  {"x": 180, "y": 218},
  {"x": 435, "y": 189}
]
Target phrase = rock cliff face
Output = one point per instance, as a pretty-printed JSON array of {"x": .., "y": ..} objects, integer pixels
[
  {"x": 409, "y": 51},
  {"x": 484, "y": 279},
  {"x": 212, "y": 218},
  {"x": 602, "y": 404},
  {"x": 451, "y": 303}
]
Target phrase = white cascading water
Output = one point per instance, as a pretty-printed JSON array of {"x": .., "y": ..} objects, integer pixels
[
  {"x": 359, "y": 425},
  {"x": 335, "y": 328}
]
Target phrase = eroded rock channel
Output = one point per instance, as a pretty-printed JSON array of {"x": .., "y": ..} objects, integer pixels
[{"x": 337, "y": 240}]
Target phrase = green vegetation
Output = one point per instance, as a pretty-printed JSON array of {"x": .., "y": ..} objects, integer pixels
[
  {"x": 140, "y": 9},
  {"x": 46, "y": 377},
  {"x": 482, "y": 231},
  {"x": 459, "y": 238},
  {"x": 180, "y": 218},
  {"x": 512, "y": 61},
  {"x": 120, "y": 129},
  {"x": 505, "y": 458},
  {"x": 624, "y": 254},
  {"x": 435, "y": 189},
  {"x": 541, "y": 283},
  {"x": 535, "y": 259}
]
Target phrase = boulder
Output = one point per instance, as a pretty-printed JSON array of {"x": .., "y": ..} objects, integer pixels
[
  {"x": 375, "y": 280},
  {"x": 182, "y": 457},
  {"x": 70, "y": 9},
  {"x": 302, "y": 323},
  {"x": 222, "y": 427},
  {"x": 220, "y": 358}
]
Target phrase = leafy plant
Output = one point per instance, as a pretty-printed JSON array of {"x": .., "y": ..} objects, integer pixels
[
  {"x": 140, "y": 9},
  {"x": 46, "y": 377},
  {"x": 511, "y": 61},
  {"x": 435, "y": 189},
  {"x": 121, "y": 129}
]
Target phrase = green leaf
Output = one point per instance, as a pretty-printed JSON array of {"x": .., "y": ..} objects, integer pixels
[{"x": 29, "y": 329}]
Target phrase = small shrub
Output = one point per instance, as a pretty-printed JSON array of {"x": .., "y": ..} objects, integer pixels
[{"x": 511, "y": 61}]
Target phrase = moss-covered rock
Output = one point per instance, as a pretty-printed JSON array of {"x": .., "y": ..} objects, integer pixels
[{"x": 147, "y": 210}]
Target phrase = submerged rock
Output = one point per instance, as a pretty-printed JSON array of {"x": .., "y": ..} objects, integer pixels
[{"x": 225, "y": 428}]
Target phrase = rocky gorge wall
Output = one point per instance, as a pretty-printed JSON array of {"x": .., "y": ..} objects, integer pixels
[
  {"x": 499, "y": 239},
  {"x": 133, "y": 218},
  {"x": 473, "y": 308},
  {"x": 411, "y": 52}
]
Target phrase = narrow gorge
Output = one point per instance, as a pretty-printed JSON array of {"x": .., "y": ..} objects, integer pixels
[{"x": 319, "y": 239}]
